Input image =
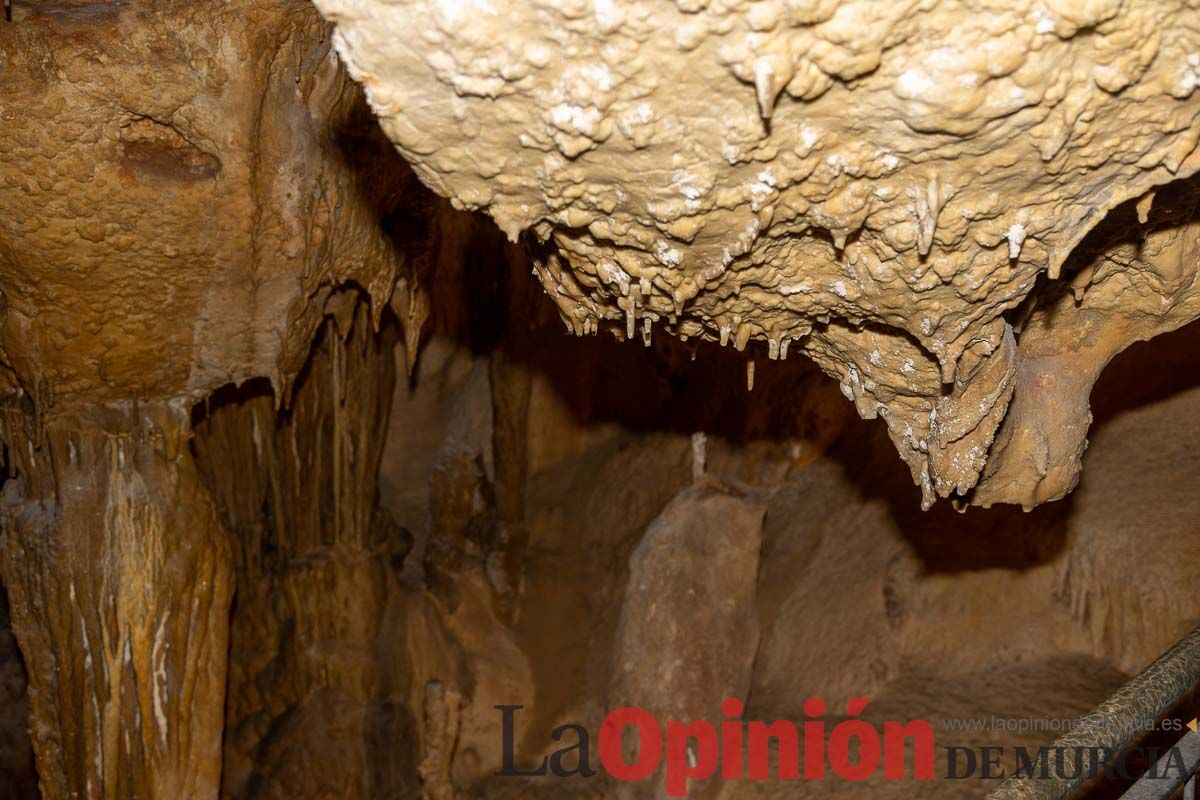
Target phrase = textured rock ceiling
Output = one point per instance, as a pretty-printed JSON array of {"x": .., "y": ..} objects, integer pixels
[
  {"x": 174, "y": 205},
  {"x": 891, "y": 188}
]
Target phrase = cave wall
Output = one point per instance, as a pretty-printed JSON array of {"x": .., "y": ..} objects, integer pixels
[
  {"x": 303, "y": 475},
  {"x": 183, "y": 191},
  {"x": 935, "y": 615}
]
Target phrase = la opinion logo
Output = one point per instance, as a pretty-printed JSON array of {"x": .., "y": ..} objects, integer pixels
[{"x": 852, "y": 750}]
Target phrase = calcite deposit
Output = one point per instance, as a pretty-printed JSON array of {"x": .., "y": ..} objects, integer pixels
[
  {"x": 883, "y": 187},
  {"x": 301, "y": 479},
  {"x": 179, "y": 201}
]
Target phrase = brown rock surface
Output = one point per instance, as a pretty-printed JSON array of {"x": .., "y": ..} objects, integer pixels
[
  {"x": 302, "y": 477},
  {"x": 119, "y": 574},
  {"x": 687, "y": 633},
  {"x": 313, "y": 695}
]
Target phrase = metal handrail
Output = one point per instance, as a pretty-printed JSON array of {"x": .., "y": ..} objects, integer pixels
[{"x": 1118, "y": 720}]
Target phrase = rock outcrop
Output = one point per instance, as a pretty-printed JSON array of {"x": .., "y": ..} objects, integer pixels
[
  {"x": 687, "y": 633},
  {"x": 885, "y": 187},
  {"x": 181, "y": 195}
]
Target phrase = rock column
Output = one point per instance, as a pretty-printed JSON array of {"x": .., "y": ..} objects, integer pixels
[{"x": 119, "y": 573}]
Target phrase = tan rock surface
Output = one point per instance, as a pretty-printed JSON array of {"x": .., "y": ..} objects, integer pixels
[
  {"x": 878, "y": 185},
  {"x": 177, "y": 196}
]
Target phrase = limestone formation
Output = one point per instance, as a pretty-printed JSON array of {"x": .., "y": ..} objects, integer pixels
[
  {"x": 120, "y": 576},
  {"x": 884, "y": 187},
  {"x": 300, "y": 478},
  {"x": 180, "y": 200}
]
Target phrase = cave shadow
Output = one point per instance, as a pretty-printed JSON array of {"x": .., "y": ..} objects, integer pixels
[
  {"x": 681, "y": 388},
  {"x": 663, "y": 389},
  {"x": 1147, "y": 373},
  {"x": 487, "y": 302},
  {"x": 946, "y": 538},
  {"x": 491, "y": 306},
  {"x": 18, "y": 776}
]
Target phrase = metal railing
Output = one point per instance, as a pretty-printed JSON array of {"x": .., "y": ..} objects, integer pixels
[
  {"x": 1117, "y": 722},
  {"x": 1183, "y": 762}
]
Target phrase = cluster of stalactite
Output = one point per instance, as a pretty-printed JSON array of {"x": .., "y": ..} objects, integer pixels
[
  {"x": 296, "y": 487},
  {"x": 130, "y": 529}
]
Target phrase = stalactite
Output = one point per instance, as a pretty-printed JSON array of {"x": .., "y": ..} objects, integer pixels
[{"x": 313, "y": 567}]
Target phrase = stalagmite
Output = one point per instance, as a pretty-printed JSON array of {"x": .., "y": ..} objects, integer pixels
[
  {"x": 442, "y": 723},
  {"x": 699, "y": 455},
  {"x": 672, "y": 654}
]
